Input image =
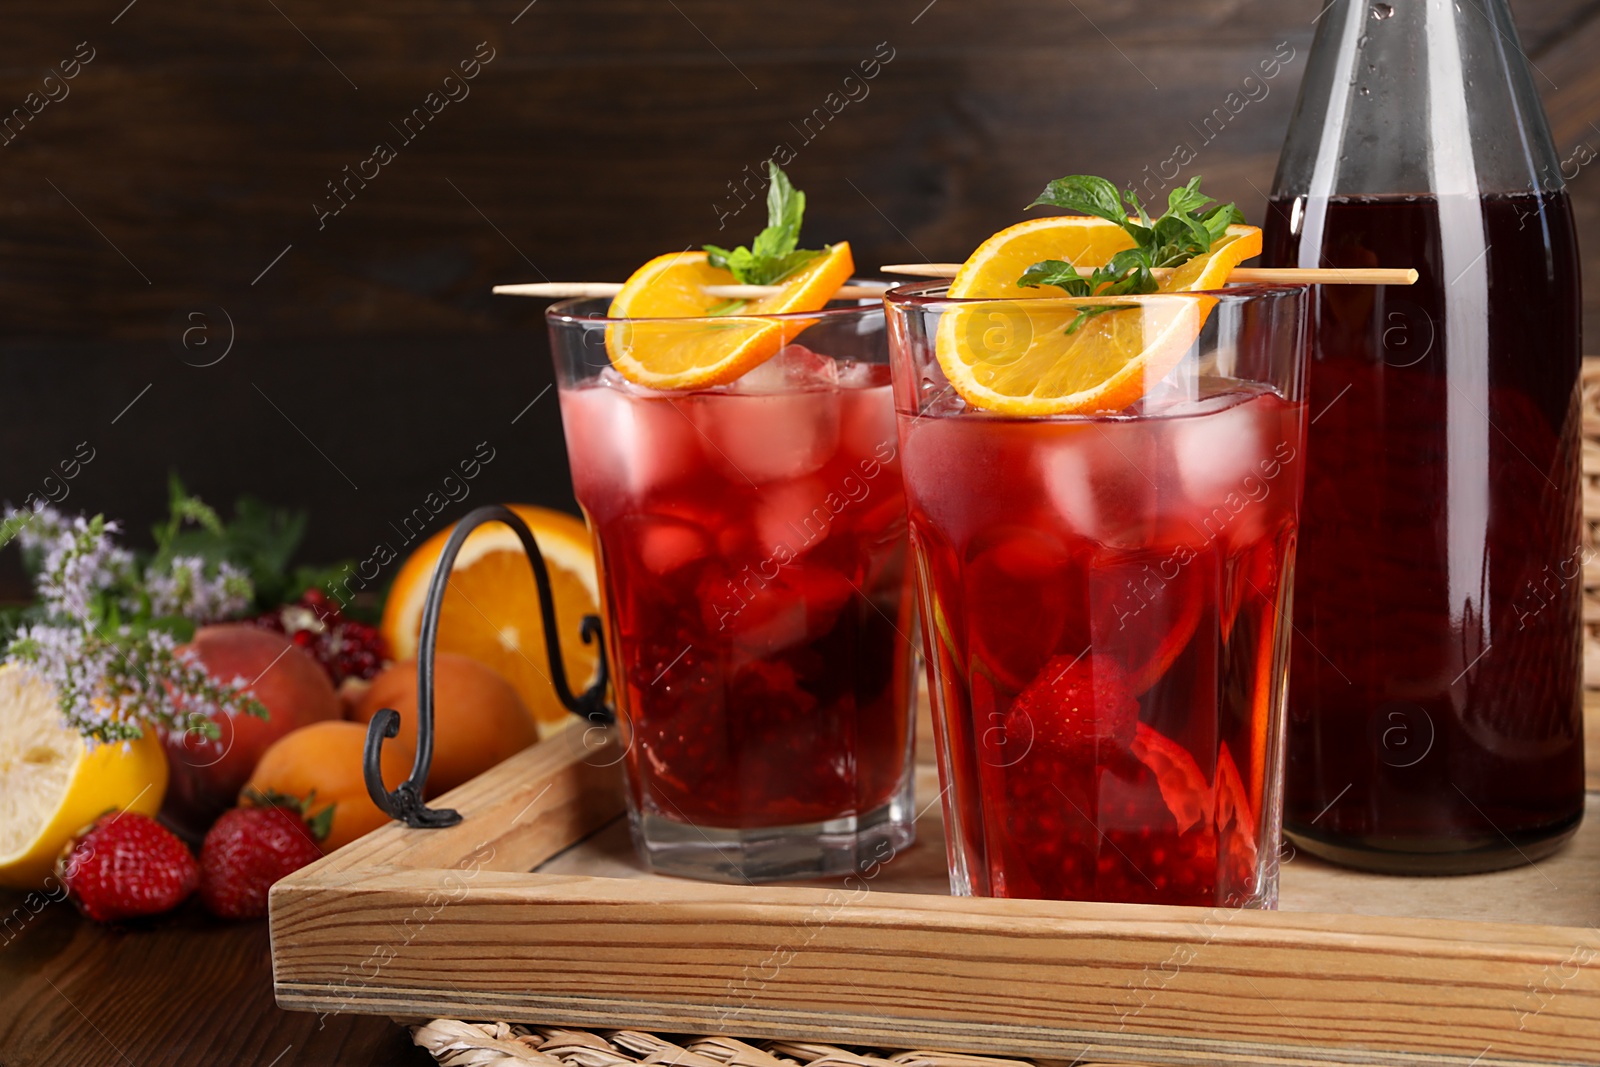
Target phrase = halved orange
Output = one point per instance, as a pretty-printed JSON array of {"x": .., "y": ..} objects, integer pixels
[
  {"x": 1015, "y": 354},
  {"x": 662, "y": 354},
  {"x": 491, "y": 611}
]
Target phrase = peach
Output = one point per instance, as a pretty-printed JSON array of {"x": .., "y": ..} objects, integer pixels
[{"x": 208, "y": 774}]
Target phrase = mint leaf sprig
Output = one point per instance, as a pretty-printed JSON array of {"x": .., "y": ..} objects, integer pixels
[
  {"x": 1188, "y": 229},
  {"x": 775, "y": 253}
]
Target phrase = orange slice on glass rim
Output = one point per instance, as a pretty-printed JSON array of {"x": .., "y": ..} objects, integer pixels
[
  {"x": 694, "y": 354},
  {"x": 1017, "y": 357}
]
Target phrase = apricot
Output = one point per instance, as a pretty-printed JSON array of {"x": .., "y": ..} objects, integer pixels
[
  {"x": 322, "y": 763},
  {"x": 478, "y": 718}
]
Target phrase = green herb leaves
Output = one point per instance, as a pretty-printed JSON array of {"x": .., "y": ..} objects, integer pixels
[
  {"x": 774, "y": 255},
  {"x": 1084, "y": 194},
  {"x": 1188, "y": 229},
  {"x": 261, "y": 540}
]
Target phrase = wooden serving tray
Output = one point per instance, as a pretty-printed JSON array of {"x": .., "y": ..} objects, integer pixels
[{"x": 1474, "y": 971}]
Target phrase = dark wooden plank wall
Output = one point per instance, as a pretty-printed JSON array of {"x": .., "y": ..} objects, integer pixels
[{"x": 158, "y": 194}]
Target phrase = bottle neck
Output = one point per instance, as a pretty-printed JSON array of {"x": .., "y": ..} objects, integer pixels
[{"x": 1422, "y": 97}]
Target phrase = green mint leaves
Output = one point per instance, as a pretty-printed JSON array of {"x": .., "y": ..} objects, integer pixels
[
  {"x": 1188, "y": 229},
  {"x": 774, "y": 255}
]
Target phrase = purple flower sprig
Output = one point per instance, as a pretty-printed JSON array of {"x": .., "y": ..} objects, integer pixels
[{"x": 106, "y": 631}]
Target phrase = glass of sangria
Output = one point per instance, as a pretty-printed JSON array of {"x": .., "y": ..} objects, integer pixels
[
  {"x": 751, "y": 540},
  {"x": 1105, "y": 595}
]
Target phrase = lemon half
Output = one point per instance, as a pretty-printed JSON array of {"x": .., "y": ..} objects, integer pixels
[{"x": 52, "y": 785}]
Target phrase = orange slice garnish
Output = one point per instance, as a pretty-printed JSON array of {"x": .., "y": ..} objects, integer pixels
[
  {"x": 1183, "y": 785},
  {"x": 1016, "y": 356},
  {"x": 694, "y": 354}
]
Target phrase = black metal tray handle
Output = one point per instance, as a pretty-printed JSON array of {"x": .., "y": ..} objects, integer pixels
[{"x": 405, "y": 801}]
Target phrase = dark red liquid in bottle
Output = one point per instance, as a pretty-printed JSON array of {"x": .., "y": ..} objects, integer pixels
[{"x": 1435, "y": 701}]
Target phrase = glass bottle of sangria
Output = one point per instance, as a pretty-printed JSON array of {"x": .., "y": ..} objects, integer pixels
[{"x": 1435, "y": 683}]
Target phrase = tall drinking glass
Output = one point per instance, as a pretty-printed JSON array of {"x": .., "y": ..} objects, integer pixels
[
  {"x": 1105, "y": 598},
  {"x": 751, "y": 541}
]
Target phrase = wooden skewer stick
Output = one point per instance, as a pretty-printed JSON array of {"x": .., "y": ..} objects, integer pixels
[
  {"x": 858, "y": 291},
  {"x": 868, "y": 290},
  {"x": 1250, "y": 275},
  {"x": 564, "y": 290}
]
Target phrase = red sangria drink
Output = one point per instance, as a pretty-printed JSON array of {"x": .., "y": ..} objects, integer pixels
[
  {"x": 1427, "y": 733},
  {"x": 1436, "y": 702},
  {"x": 751, "y": 539},
  {"x": 731, "y": 435},
  {"x": 1105, "y": 592}
]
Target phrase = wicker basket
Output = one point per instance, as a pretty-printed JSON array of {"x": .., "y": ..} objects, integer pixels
[{"x": 458, "y": 1044}]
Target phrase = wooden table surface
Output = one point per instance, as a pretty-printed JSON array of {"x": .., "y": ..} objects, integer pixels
[
  {"x": 186, "y": 990},
  {"x": 190, "y": 990}
]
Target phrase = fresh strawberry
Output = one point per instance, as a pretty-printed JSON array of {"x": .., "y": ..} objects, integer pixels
[
  {"x": 127, "y": 865},
  {"x": 1075, "y": 704},
  {"x": 252, "y": 847}
]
